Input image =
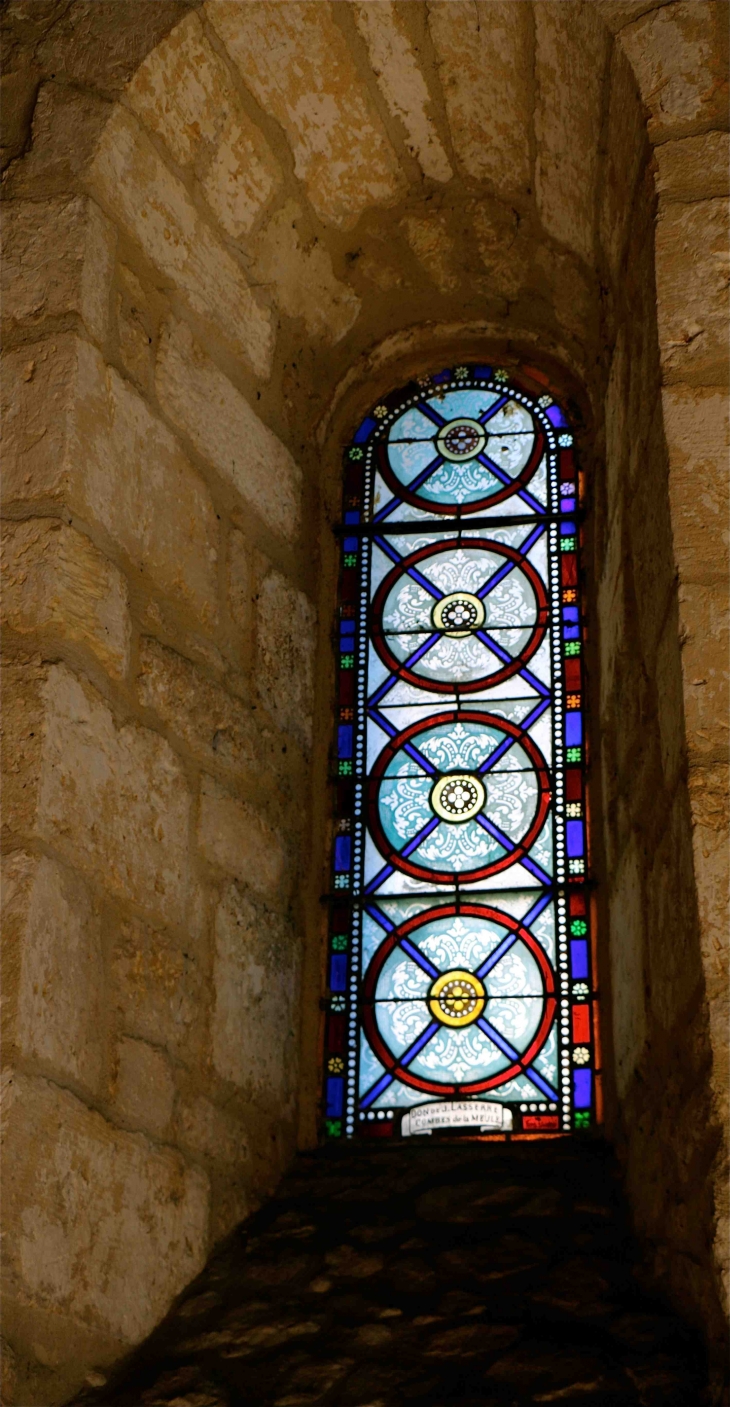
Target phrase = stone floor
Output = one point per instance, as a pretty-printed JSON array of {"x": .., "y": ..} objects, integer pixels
[{"x": 424, "y": 1274}]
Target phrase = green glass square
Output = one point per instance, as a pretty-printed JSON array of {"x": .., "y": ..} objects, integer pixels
[
  {"x": 582, "y": 1119},
  {"x": 347, "y": 661},
  {"x": 334, "y": 1128},
  {"x": 339, "y": 943},
  {"x": 345, "y": 769},
  {"x": 350, "y": 559},
  {"x": 572, "y": 647},
  {"x": 578, "y": 927},
  {"x": 573, "y": 754}
]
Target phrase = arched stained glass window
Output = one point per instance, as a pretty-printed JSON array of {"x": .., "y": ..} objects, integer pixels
[{"x": 460, "y": 969}]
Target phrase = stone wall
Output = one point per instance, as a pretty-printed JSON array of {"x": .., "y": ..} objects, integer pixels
[{"x": 228, "y": 229}]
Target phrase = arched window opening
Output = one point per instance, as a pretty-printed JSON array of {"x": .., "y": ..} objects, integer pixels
[{"x": 461, "y": 964}]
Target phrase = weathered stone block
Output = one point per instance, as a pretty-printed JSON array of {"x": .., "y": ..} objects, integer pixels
[
  {"x": 58, "y": 258},
  {"x": 403, "y": 84},
  {"x": 226, "y": 431},
  {"x": 143, "y": 1090},
  {"x": 297, "y": 64},
  {"x": 692, "y": 290},
  {"x": 694, "y": 168},
  {"x": 216, "y": 726},
  {"x": 434, "y": 248},
  {"x": 234, "y": 837},
  {"x": 285, "y": 645},
  {"x": 67, "y": 124},
  {"x": 703, "y": 616},
  {"x": 626, "y": 147},
  {"x": 240, "y": 599},
  {"x": 484, "y": 54},
  {"x": 675, "y": 52},
  {"x": 79, "y": 436},
  {"x": 100, "y": 1226},
  {"x": 113, "y": 801},
  {"x": 57, "y": 584},
  {"x": 255, "y": 1021},
  {"x": 697, "y": 429},
  {"x": 156, "y": 211},
  {"x": 184, "y": 93},
  {"x": 299, "y": 271},
  {"x": 135, "y": 329},
  {"x": 626, "y": 946},
  {"x": 567, "y": 120},
  {"x": 53, "y": 970},
  {"x": 158, "y": 990}
]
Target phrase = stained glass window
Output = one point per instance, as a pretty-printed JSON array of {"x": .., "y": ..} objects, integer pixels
[{"x": 461, "y": 973}]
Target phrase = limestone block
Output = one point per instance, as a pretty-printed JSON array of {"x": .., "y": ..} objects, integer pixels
[
  {"x": 703, "y": 616},
  {"x": 135, "y": 329},
  {"x": 184, "y": 93},
  {"x": 295, "y": 61},
  {"x": 158, "y": 990},
  {"x": 58, "y": 258},
  {"x": 214, "y": 725},
  {"x": 402, "y": 84},
  {"x": 155, "y": 210},
  {"x": 626, "y": 147},
  {"x": 255, "y": 1022},
  {"x": 692, "y": 278},
  {"x": 67, "y": 124},
  {"x": 78, "y": 435},
  {"x": 213, "y": 1133},
  {"x": 698, "y": 439},
  {"x": 112, "y": 800},
  {"x": 676, "y": 52},
  {"x": 53, "y": 970},
  {"x": 670, "y": 702},
  {"x": 298, "y": 270},
  {"x": 240, "y": 598},
  {"x": 434, "y": 248},
  {"x": 484, "y": 53},
  {"x": 674, "y": 969},
  {"x": 505, "y": 253},
  {"x": 143, "y": 1089},
  {"x": 226, "y": 431},
  {"x": 234, "y": 837},
  {"x": 56, "y": 583},
  {"x": 285, "y": 643},
  {"x": 694, "y": 168},
  {"x": 568, "y": 120},
  {"x": 101, "y": 1226},
  {"x": 626, "y": 946}
]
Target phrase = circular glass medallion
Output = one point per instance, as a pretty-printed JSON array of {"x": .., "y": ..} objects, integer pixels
[
  {"x": 457, "y": 998},
  {"x": 458, "y": 614},
  {"x": 458, "y": 797},
  {"x": 460, "y": 440}
]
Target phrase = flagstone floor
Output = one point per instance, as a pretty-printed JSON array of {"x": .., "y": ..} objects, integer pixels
[{"x": 419, "y": 1276}]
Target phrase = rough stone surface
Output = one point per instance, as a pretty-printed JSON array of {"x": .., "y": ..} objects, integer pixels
[
  {"x": 694, "y": 168},
  {"x": 256, "y": 1018},
  {"x": 213, "y": 724},
  {"x": 692, "y": 287},
  {"x": 57, "y": 259},
  {"x": 296, "y": 63},
  {"x": 298, "y": 270},
  {"x": 184, "y": 93},
  {"x": 156, "y": 210},
  {"x": 483, "y": 53},
  {"x": 53, "y": 970},
  {"x": 235, "y": 838},
  {"x": 143, "y": 1090},
  {"x": 567, "y": 118},
  {"x": 118, "y": 1227},
  {"x": 403, "y": 84},
  {"x": 674, "y": 53},
  {"x": 57, "y": 583},
  {"x": 112, "y": 800},
  {"x": 226, "y": 431},
  {"x": 157, "y": 989},
  {"x": 698, "y": 437},
  {"x": 79, "y": 436},
  {"x": 285, "y": 641},
  {"x": 427, "y": 1275}
]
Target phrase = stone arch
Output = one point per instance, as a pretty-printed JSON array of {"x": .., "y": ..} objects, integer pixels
[{"x": 214, "y": 272}]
